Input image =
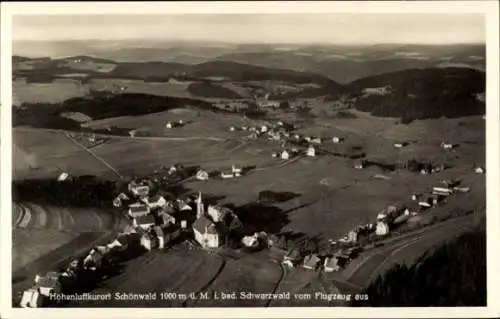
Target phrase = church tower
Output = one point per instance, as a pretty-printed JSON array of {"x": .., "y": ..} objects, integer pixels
[{"x": 200, "y": 210}]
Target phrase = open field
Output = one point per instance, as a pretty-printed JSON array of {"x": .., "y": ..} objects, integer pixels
[
  {"x": 62, "y": 89},
  {"x": 181, "y": 272},
  {"x": 46, "y": 154},
  {"x": 54, "y": 258},
  {"x": 68, "y": 219},
  {"x": 30, "y": 244},
  {"x": 247, "y": 274},
  {"x": 58, "y": 91}
]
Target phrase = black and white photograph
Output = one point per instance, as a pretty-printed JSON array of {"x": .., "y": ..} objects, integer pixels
[{"x": 228, "y": 159}]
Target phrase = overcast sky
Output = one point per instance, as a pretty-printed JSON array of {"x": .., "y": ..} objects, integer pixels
[{"x": 261, "y": 28}]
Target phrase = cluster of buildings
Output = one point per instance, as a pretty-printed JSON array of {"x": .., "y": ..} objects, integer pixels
[{"x": 326, "y": 262}]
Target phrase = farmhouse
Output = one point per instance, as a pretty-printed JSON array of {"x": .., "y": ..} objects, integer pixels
[
  {"x": 117, "y": 202},
  {"x": 166, "y": 219},
  {"x": 316, "y": 140},
  {"x": 442, "y": 190},
  {"x": 250, "y": 241},
  {"x": 336, "y": 139},
  {"x": 94, "y": 260},
  {"x": 236, "y": 170},
  {"x": 202, "y": 175},
  {"x": 48, "y": 284},
  {"x": 311, "y": 262},
  {"x": 136, "y": 210},
  {"x": 226, "y": 175},
  {"x": 156, "y": 201},
  {"x": 447, "y": 146},
  {"x": 331, "y": 264},
  {"x": 311, "y": 151},
  {"x": 144, "y": 221},
  {"x": 138, "y": 189},
  {"x": 268, "y": 104},
  {"x": 352, "y": 236},
  {"x": 145, "y": 240},
  {"x": 218, "y": 213},
  {"x": 285, "y": 155},
  {"x": 382, "y": 228},
  {"x": 292, "y": 257},
  {"x": 206, "y": 233},
  {"x": 62, "y": 177},
  {"x": 32, "y": 298}
]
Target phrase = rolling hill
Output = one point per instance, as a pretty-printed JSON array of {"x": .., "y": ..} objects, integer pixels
[
  {"x": 47, "y": 69},
  {"x": 421, "y": 94}
]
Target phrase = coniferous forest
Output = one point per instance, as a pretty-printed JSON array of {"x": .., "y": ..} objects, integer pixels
[{"x": 453, "y": 275}]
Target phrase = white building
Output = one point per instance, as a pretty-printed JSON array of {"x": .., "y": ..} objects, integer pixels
[
  {"x": 316, "y": 140},
  {"x": 336, "y": 139},
  {"x": 447, "y": 146},
  {"x": 236, "y": 170},
  {"x": 31, "y": 298},
  {"x": 382, "y": 228},
  {"x": 479, "y": 170},
  {"x": 331, "y": 264},
  {"x": 311, "y": 151},
  {"x": 137, "y": 209},
  {"x": 62, "y": 177},
  {"x": 156, "y": 201},
  {"x": 285, "y": 155},
  {"x": 202, "y": 175},
  {"x": 311, "y": 262},
  {"x": 159, "y": 237},
  {"x": 217, "y": 213}
]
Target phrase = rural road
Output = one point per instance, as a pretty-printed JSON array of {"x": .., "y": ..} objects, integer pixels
[
  {"x": 93, "y": 155},
  {"x": 378, "y": 259}
]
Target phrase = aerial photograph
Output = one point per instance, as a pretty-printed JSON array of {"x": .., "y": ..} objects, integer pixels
[{"x": 248, "y": 160}]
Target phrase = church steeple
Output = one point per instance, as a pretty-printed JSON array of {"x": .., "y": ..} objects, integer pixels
[{"x": 200, "y": 210}]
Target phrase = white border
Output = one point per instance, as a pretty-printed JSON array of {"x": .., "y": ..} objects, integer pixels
[{"x": 489, "y": 8}]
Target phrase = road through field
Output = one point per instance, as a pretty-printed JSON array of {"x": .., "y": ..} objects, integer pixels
[{"x": 94, "y": 155}]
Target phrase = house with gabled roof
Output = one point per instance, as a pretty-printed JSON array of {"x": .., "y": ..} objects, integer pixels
[
  {"x": 144, "y": 221},
  {"x": 156, "y": 201},
  {"x": 48, "y": 284},
  {"x": 292, "y": 257},
  {"x": 137, "y": 210},
  {"x": 218, "y": 213},
  {"x": 331, "y": 264},
  {"x": 311, "y": 262}
]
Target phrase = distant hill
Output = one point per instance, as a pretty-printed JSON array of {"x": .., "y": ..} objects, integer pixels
[
  {"x": 345, "y": 64},
  {"x": 420, "y": 94},
  {"x": 162, "y": 71}
]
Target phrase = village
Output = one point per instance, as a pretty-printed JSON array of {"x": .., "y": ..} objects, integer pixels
[{"x": 160, "y": 222}]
